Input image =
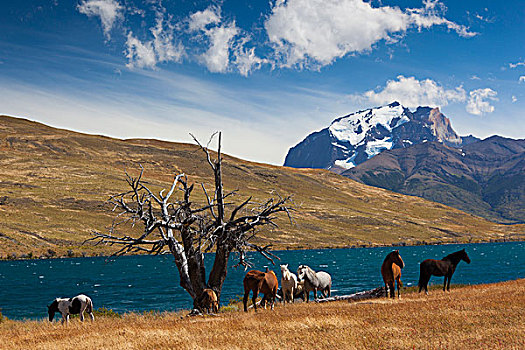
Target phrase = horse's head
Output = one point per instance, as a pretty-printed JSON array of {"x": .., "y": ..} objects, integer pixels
[
  {"x": 304, "y": 272},
  {"x": 51, "y": 309},
  {"x": 284, "y": 268},
  {"x": 301, "y": 272},
  {"x": 396, "y": 259},
  {"x": 464, "y": 256}
]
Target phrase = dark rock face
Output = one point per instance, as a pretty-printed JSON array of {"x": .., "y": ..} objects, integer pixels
[
  {"x": 485, "y": 178},
  {"x": 357, "y": 137}
]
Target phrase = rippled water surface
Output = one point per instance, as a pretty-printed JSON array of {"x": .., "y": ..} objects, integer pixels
[{"x": 138, "y": 283}]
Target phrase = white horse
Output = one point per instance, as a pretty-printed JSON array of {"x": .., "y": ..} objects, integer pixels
[
  {"x": 288, "y": 283},
  {"x": 314, "y": 281},
  {"x": 71, "y": 306}
]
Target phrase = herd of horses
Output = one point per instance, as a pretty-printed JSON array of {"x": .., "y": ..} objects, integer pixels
[
  {"x": 292, "y": 285},
  {"x": 307, "y": 280}
]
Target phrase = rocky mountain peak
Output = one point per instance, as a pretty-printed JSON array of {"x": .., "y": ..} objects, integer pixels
[{"x": 357, "y": 137}]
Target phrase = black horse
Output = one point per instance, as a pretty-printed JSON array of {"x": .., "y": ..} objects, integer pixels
[{"x": 444, "y": 267}]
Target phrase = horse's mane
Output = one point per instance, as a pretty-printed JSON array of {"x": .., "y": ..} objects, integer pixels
[
  {"x": 389, "y": 255},
  {"x": 310, "y": 274},
  {"x": 455, "y": 255}
]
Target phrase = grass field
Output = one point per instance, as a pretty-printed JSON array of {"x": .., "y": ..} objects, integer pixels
[
  {"x": 54, "y": 184},
  {"x": 473, "y": 317}
]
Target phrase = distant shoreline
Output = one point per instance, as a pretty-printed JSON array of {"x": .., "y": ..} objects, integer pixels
[{"x": 359, "y": 246}]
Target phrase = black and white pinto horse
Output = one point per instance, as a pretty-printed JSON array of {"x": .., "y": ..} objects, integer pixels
[
  {"x": 314, "y": 281},
  {"x": 71, "y": 306}
]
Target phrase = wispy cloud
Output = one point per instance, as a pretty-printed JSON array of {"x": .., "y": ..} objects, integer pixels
[
  {"x": 521, "y": 79},
  {"x": 163, "y": 47},
  {"x": 109, "y": 11},
  {"x": 517, "y": 64},
  {"x": 301, "y": 33},
  {"x": 226, "y": 43},
  {"x": 479, "y": 101}
]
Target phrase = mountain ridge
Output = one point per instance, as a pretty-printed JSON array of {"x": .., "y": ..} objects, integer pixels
[{"x": 486, "y": 178}]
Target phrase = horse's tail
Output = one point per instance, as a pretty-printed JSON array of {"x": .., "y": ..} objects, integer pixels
[{"x": 420, "y": 283}]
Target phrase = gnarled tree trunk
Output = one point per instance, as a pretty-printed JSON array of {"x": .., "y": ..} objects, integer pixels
[{"x": 187, "y": 232}]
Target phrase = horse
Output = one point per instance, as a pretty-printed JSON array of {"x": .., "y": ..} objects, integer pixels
[
  {"x": 444, "y": 267},
  {"x": 314, "y": 281},
  {"x": 391, "y": 272},
  {"x": 208, "y": 301},
  {"x": 71, "y": 306},
  {"x": 260, "y": 282},
  {"x": 288, "y": 284}
]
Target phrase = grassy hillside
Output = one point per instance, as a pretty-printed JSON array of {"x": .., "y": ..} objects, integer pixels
[
  {"x": 476, "y": 317},
  {"x": 54, "y": 184}
]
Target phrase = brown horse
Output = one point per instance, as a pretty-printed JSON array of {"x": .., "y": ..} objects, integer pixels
[
  {"x": 260, "y": 282},
  {"x": 391, "y": 271},
  {"x": 208, "y": 301},
  {"x": 444, "y": 267}
]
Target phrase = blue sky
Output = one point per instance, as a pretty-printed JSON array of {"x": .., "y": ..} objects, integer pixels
[{"x": 266, "y": 73}]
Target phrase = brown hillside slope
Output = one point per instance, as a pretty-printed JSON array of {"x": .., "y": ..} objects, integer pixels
[
  {"x": 54, "y": 183},
  {"x": 474, "y": 317}
]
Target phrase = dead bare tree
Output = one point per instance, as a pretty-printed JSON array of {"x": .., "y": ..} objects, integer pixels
[{"x": 176, "y": 226}]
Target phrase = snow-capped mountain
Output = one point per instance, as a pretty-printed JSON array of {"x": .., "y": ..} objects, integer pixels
[{"x": 357, "y": 137}]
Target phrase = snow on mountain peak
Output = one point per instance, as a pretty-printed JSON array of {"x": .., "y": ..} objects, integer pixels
[{"x": 354, "y": 127}]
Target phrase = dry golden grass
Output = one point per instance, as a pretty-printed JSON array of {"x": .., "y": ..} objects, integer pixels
[
  {"x": 53, "y": 184},
  {"x": 474, "y": 317}
]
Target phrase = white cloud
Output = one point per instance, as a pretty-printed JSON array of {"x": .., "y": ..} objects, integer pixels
[
  {"x": 246, "y": 60},
  {"x": 479, "y": 101},
  {"x": 431, "y": 15},
  {"x": 316, "y": 32},
  {"x": 226, "y": 42},
  {"x": 517, "y": 64},
  {"x": 162, "y": 48},
  {"x": 108, "y": 11},
  {"x": 200, "y": 19},
  {"x": 217, "y": 57},
  {"x": 522, "y": 79},
  {"x": 140, "y": 54},
  {"x": 475, "y": 77},
  {"x": 514, "y": 99},
  {"x": 411, "y": 92}
]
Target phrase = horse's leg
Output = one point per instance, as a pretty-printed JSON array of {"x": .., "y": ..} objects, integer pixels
[
  {"x": 448, "y": 284},
  {"x": 254, "y": 299},
  {"x": 386, "y": 290},
  {"x": 392, "y": 287},
  {"x": 398, "y": 280},
  {"x": 245, "y": 300},
  {"x": 423, "y": 280},
  {"x": 315, "y": 294},
  {"x": 445, "y": 283}
]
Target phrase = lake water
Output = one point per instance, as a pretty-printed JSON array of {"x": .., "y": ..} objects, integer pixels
[{"x": 139, "y": 283}]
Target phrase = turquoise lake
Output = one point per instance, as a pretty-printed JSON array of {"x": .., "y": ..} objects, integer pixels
[{"x": 140, "y": 283}]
